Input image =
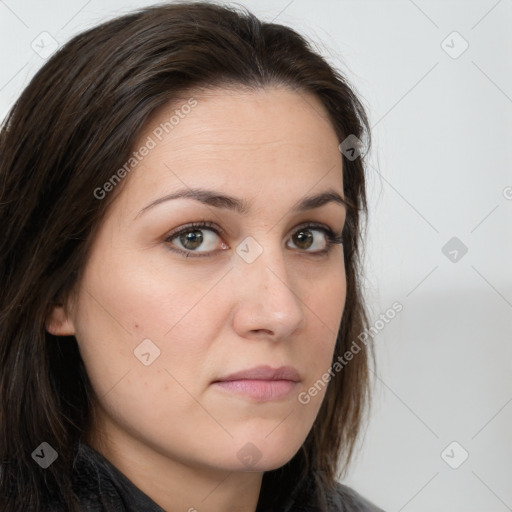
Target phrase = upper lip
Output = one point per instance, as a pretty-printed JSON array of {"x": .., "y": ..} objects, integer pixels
[{"x": 264, "y": 373}]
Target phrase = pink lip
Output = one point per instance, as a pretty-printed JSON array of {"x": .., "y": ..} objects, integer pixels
[{"x": 262, "y": 383}]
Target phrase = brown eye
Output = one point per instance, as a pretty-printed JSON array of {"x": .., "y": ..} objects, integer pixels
[
  {"x": 303, "y": 239},
  {"x": 197, "y": 238},
  {"x": 191, "y": 240},
  {"x": 313, "y": 239}
]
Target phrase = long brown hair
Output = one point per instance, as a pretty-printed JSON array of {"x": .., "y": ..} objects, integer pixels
[{"x": 73, "y": 126}]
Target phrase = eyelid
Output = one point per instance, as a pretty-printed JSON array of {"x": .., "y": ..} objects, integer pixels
[
  {"x": 195, "y": 225},
  {"x": 314, "y": 225}
]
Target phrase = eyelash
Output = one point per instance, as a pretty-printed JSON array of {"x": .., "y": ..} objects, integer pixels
[{"x": 332, "y": 238}]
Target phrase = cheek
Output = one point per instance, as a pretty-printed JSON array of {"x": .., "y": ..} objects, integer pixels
[
  {"x": 324, "y": 300},
  {"x": 131, "y": 313},
  {"x": 325, "y": 310},
  {"x": 145, "y": 346}
]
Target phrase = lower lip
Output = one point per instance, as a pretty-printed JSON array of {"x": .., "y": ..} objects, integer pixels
[{"x": 261, "y": 390}]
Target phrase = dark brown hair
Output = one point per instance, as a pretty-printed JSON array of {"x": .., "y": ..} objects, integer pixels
[{"x": 73, "y": 126}]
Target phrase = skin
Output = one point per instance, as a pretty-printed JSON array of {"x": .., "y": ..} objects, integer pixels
[{"x": 165, "y": 426}]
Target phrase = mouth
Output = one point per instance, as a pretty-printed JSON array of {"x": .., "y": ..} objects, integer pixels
[{"x": 261, "y": 383}]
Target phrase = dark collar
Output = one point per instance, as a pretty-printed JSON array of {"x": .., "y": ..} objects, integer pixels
[{"x": 101, "y": 487}]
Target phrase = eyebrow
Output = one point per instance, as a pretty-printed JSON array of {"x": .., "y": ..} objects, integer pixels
[{"x": 218, "y": 200}]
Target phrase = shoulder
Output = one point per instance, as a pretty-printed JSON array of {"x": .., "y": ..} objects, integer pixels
[{"x": 346, "y": 499}]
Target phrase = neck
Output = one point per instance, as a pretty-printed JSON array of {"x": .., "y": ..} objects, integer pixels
[{"x": 174, "y": 485}]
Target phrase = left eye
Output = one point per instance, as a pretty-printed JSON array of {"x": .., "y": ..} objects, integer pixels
[{"x": 308, "y": 239}]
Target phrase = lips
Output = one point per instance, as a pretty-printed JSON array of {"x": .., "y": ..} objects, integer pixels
[
  {"x": 261, "y": 383},
  {"x": 264, "y": 373}
]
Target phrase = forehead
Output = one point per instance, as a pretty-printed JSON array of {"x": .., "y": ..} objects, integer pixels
[
  {"x": 240, "y": 139},
  {"x": 260, "y": 114}
]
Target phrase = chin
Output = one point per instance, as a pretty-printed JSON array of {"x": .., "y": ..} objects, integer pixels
[
  {"x": 277, "y": 462},
  {"x": 266, "y": 454}
]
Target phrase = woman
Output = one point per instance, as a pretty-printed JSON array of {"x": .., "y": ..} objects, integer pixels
[{"x": 179, "y": 266}]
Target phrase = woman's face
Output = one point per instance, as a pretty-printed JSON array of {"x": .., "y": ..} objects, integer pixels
[{"x": 165, "y": 310}]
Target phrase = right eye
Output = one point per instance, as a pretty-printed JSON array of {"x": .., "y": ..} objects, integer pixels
[{"x": 187, "y": 239}]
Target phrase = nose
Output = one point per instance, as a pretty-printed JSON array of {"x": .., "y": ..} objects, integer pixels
[{"x": 267, "y": 304}]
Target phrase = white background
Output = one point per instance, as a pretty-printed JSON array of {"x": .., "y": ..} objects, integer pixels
[{"x": 440, "y": 168}]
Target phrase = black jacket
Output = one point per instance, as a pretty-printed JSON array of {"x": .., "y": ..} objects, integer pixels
[{"x": 101, "y": 487}]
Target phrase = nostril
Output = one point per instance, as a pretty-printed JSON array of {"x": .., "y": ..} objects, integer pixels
[{"x": 263, "y": 331}]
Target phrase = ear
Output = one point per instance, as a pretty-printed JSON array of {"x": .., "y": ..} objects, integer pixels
[{"x": 59, "y": 323}]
